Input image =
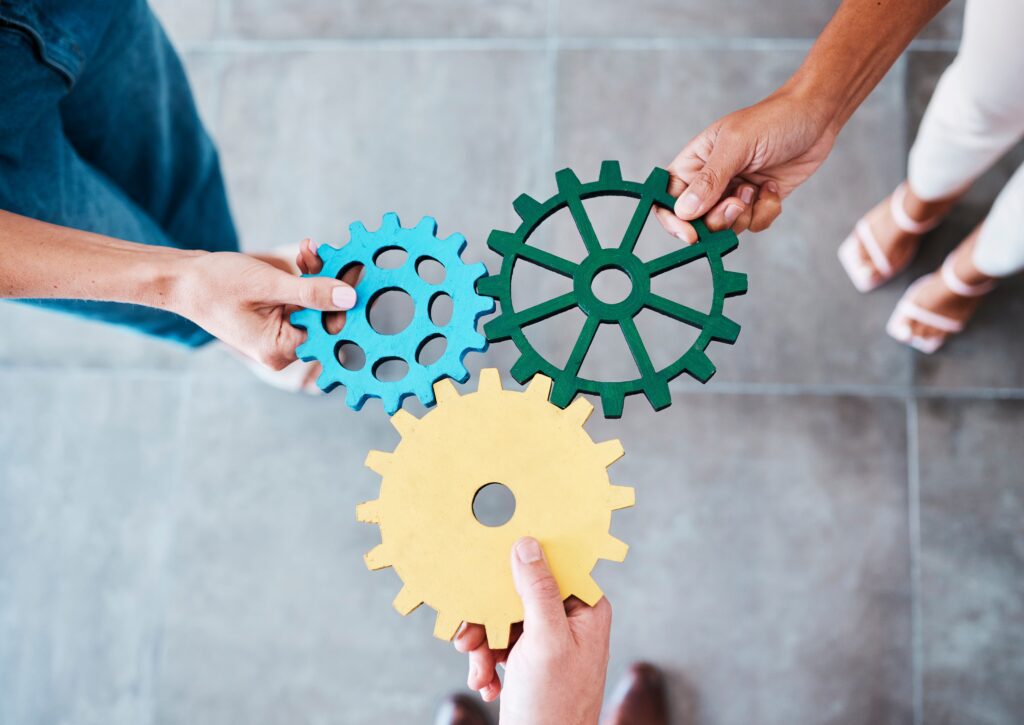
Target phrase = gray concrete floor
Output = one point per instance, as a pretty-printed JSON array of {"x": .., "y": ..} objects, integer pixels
[{"x": 829, "y": 532}]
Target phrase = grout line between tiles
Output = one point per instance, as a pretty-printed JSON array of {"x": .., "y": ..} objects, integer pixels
[
  {"x": 914, "y": 532},
  {"x": 227, "y": 44}
]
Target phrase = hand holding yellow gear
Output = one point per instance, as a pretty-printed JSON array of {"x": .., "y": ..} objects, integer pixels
[{"x": 557, "y": 473}]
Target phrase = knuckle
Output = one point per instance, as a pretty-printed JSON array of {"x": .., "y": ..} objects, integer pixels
[{"x": 546, "y": 587}]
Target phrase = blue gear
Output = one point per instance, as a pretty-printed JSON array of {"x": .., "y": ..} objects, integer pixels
[{"x": 363, "y": 248}]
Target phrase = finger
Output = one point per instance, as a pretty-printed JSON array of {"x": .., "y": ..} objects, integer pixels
[
  {"x": 481, "y": 668},
  {"x": 683, "y": 231},
  {"x": 767, "y": 207},
  {"x": 542, "y": 599},
  {"x": 490, "y": 692},
  {"x": 315, "y": 293},
  {"x": 747, "y": 193},
  {"x": 724, "y": 214},
  {"x": 469, "y": 637},
  {"x": 707, "y": 186},
  {"x": 308, "y": 260}
]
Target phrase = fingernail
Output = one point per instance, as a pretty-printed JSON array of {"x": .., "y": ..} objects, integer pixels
[
  {"x": 684, "y": 239},
  {"x": 772, "y": 186},
  {"x": 461, "y": 630},
  {"x": 528, "y": 551},
  {"x": 312, "y": 245},
  {"x": 343, "y": 297},
  {"x": 502, "y": 666},
  {"x": 688, "y": 204},
  {"x": 747, "y": 194},
  {"x": 732, "y": 213}
]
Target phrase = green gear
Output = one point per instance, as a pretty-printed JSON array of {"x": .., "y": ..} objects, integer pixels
[{"x": 513, "y": 246}]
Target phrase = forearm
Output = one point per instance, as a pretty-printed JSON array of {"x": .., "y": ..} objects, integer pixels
[
  {"x": 41, "y": 260},
  {"x": 854, "y": 52}
]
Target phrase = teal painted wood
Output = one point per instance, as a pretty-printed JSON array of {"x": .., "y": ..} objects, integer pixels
[
  {"x": 419, "y": 243},
  {"x": 514, "y": 247}
]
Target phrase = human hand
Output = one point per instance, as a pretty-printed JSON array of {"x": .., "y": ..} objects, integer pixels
[
  {"x": 246, "y": 302},
  {"x": 556, "y": 663},
  {"x": 740, "y": 168}
]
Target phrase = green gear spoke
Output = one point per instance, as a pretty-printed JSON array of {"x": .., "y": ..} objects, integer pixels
[
  {"x": 569, "y": 186},
  {"x": 720, "y": 328},
  {"x": 502, "y": 326},
  {"x": 549, "y": 261},
  {"x": 637, "y": 223},
  {"x": 657, "y": 389},
  {"x": 565, "y": 390},
  {"x": 675, "y": 259}
]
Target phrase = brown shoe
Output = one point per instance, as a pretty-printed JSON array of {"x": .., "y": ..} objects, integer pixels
[
  {"x": 640, "y": 698},
  {"x": 461, "y": 710}
]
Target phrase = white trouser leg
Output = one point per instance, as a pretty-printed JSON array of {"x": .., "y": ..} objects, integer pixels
[
  {"x": 1000, "y": 248},
  {"x": 977, "y": 111}
]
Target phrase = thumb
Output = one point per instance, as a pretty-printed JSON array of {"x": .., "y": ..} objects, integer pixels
[
  {"x": 543, "y": 610},
  {"x": 705, "y": 188},
  {"x": 316, "y": 293}
]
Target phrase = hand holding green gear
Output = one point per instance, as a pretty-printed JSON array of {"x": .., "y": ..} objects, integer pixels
[{"x": 510, "y": 324}]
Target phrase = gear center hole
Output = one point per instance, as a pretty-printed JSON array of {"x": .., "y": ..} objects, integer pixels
[
  {"x": 611, "y": 285},
  {"x": 494, "y": 504},
  {"x": 390, "y": 311}
]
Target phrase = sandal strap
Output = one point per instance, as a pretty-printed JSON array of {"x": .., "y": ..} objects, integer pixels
[
  {"x": 870, "y": 244},
  {"x": 902, "y": 219},
  {"x": 952, "y": 280},
  {"x": 927, "y": 317}
]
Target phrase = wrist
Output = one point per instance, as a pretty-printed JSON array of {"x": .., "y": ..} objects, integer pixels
[
  {"x": 166, "y": 276},
  {"x": 817, "y": 100}
]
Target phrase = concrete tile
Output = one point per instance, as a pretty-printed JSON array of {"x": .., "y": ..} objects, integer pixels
[
  {"x": 769, "y": 564},
  {"x": 312, "y": 142},
  {"x": 87, "y": 482},
  {"x": 273, "y": 617},
  {"x": 989, "y": 353},
  {"x": 802, "y": 320},
  {"x": 388, "y": 18},
  {"x": 188, "y": 22},
  {"x": 728, "y": 19},
  {"x": 972, "y": 560}
]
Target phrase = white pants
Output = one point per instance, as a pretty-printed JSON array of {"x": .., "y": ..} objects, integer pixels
[{"x": 976, "y": 115}]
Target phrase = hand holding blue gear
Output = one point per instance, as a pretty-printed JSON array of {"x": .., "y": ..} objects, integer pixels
[{"x": 460, "y": 333}]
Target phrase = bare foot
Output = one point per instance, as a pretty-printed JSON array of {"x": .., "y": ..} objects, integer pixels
[
  {"x": 897, "y": 239},
  {"x": 941, "y": 304}
]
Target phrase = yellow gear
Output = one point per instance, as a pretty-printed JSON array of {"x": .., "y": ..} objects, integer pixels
[{"x": 557, "y": 473}]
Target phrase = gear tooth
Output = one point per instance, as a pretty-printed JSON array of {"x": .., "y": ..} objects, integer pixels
[
  {"x": 539, "y": 387},
  {"x": 427, "y": 224},
  {"x": 378, "y": 462},
  {"x": 611, "y": 172},
  {"x": 567, "y": 181},
  {"x": 657, "y": 180},
  {"x": 497, "y": 634},
  {"x": 377, "y": 558},
  {"x": 445, "y": 626},
  {"x": 390, "y": 222},
  {"x": 456, "y": 244},
  {"x": 354, "y": 399},
  {"x": 391, "y": 401},
  {"x": 622, "y": 497},
  {"x": 444, "y": 391},
  {"x": 588, "y": 591},
  {"x": 612, "y": 400},
  {"x": 613, "y": 549},
  {"x": 724, "y": 330},
  {"x": 524, "y": 368},
  {"x": 475, "y": 271},
  {"x": 734, "y": 283},
  {"x": 406, "y": 601},
  {"x": 404, "y": 422},
  {"x": 302, "y": 352},
  {"x": 490, "y": 381},
  {"x": 356, "y": 229},
  {"x": 563, "y": 392},
  {"x": 527, "y": 207},
  {"x": 579, "y": 411},
  {"x": 502, "y": 242},
  {"x": 609, "y": 451},
  {"x": 697, "y": 364},
  {"x": 368, "y": 512},
  {"x": 490, "y": 286},
  {"x": 658, "y": 394}
]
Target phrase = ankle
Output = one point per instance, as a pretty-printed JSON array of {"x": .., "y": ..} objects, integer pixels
[{"x": 923, "y": 210}]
